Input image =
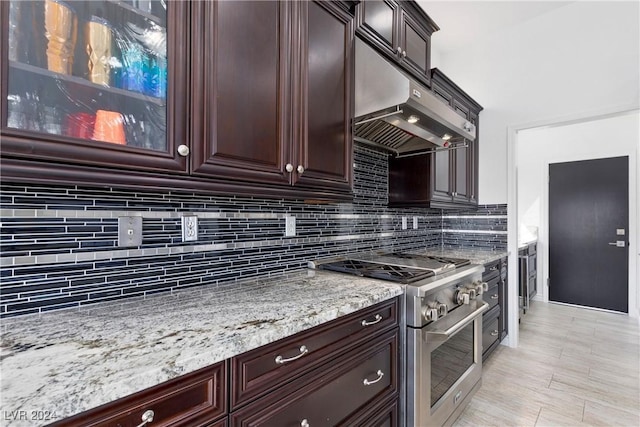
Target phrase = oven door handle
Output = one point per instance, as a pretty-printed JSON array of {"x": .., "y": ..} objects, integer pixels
[{"x": 439, "y": 335}]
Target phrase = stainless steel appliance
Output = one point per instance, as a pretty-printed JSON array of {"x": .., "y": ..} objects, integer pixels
[
  {"x": 397, "y": 113},
  {"x": 443, "y": 316}
]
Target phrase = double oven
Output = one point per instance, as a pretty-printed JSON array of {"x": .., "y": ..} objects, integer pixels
[{"x": 443, "y": 333}]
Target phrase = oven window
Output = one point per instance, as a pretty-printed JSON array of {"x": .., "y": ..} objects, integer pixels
[{"x": 450, "y": 361}]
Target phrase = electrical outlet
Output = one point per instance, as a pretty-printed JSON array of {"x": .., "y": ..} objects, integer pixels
[
  {"x": 129, "y": 231},
  {"x": 189, "y": 228},
  {"x": 415, "y": 222},
  {"x": 289, "y": 226},
  {"x": 404, "y": 222}
]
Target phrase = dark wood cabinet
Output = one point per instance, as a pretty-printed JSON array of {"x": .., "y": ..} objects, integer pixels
[
  {"x": 444, "y": 179},
  {"x": 401, "y": 31},
  {"x": 328, "y": 395},
  {"x": 53, "y": 118},
  {"x": 259, "y": 101},
  {"x": 319, "y": 375},
  {"x": 196, "y": 399},
  {"x": 377, "y": 23},
  {"x": 494, "y": 320},
  {"x": 461, "y": 164},
  {"x": 322, "y": 140},
  {"x": 257, "y": 372},
  {"x": 241, "y": 100}
]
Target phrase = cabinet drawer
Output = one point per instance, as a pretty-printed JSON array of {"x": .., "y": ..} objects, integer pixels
[
  {"x": 383, "y": 414},
  {"x": 492, "y": 296},
  {"x": 194, "y": 399},
  {"x": 331, "y": 393},
  {"x": 490, "y": 332},
  {"x": 255, "y": 372},
  {"x": 491, "y": 270}
]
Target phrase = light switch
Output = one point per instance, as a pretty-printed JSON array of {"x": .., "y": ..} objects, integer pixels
[{"x": 129, "y": 231}]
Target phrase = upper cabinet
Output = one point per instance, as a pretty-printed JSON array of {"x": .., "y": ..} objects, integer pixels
[
  {"x": 95, "y": 82},
  {"x": 399, "y": 30},
  {"x": 446, "y": 178},
  {"x": 233, "y": 97}
]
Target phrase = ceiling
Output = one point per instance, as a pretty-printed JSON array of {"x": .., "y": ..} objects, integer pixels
[{"x": 463, "y": 22}]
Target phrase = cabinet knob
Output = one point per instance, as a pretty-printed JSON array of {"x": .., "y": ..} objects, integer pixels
[
  {"x": 300, "y": 169},
  {"x": 399, "y": 50},
  {"x": 304, "y": 423},
  {"x": 289, "y": 167},
  {"x": 404, "y": 53},
  {"x": 467, "y": 126},
  {"x": 147, "y": 417},
  {"x": 183, "y": 150}
]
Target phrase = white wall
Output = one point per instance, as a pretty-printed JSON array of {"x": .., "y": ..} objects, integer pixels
[
  {"x": 578, "y": 60},
  {"x": 537, "y": 148}
]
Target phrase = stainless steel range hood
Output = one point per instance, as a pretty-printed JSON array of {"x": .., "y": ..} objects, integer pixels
[{"x": 397, "y": 113}]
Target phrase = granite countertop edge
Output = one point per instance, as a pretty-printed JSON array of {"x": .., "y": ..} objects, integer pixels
[{"x": 70, "y": 361}]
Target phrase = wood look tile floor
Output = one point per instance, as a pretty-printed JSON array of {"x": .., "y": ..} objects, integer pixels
[{"x": 574, "y": 367}]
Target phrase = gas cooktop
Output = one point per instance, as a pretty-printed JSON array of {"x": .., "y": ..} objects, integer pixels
[{"x": 400, "y": 267}]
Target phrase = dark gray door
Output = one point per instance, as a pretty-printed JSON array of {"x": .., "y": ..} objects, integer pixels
[{"x": 588, "y": 209}]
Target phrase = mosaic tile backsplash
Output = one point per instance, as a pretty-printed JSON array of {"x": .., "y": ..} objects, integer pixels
[{"x": 60, "y": 243}]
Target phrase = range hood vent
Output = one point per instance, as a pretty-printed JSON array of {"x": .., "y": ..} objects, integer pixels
[{"x": 394, "y": 112}]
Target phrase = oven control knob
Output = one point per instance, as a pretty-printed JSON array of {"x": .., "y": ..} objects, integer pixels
[
  {"x": 431, "y": 314},
  {"x": 472, "y": 293},
  {"x": 480, "y": 287},
  {"x": 442, "y": 309},
  {"x": 462, "y": 296}
]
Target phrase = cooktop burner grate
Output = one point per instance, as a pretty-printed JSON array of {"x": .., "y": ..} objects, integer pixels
[
  {"x": 393, "y": 273},
  {"x": 458, "y": 262}
]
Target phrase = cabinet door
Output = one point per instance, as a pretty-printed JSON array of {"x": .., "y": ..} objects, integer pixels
[
  {"x": 323, "y": 140},
  {"x": 442, "y": 160},
  {"x": 377, "y": 22},
  {"x": 441, "y": 176},
  {"x": 472, "y": 164},
  {"x": 240, "y": 106},
  {"x": 416, "y": 47},
  {"x": 95, "y": 82},
  {"x": 462, "y": 156}
]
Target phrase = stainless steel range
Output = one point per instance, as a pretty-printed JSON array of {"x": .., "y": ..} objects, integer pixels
[{"x": 444, "y": 328}]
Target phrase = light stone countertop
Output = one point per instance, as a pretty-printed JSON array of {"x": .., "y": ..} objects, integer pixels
[
  {"x": 476, "y": 256},
  {"x": 73, "y": 360}
]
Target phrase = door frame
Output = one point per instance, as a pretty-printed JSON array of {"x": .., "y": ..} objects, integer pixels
[{"x": 512, "y": 212}]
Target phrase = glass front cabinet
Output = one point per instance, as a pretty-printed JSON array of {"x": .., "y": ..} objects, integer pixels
[
  {"x": 173, "y": 94},
  {"x": 94, "y": 83}
]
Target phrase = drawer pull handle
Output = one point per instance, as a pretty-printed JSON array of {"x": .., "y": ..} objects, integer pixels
[
  {"x": 304, "y": 423},
  {"x": 380, "y": 375},
  {"x": 494, "y": 296},
  {"x": 494, "y": 333},
  {"x": 147, "y": 417},
  {"x": 378, "y": 318},
  {"x": 303, "y": 350}
]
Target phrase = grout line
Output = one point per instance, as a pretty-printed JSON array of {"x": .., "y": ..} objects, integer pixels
[{"x": 538, "y": 416}]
